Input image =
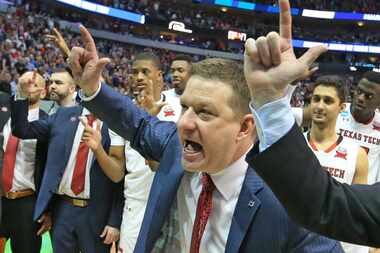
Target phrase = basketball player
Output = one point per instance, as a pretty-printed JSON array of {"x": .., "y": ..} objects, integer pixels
[
  {"x": 359, "y": 121},
  {"x": 147, "y": 79},
  {"x": 180, "y": 70},
  {"x": 344, "y": 159}
]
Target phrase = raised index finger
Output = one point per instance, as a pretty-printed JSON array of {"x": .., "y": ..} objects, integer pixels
[
  {"x": 55, "y": 31},
  {"x": 285, "y": 20},
  {"x": 87, "y": 39}
]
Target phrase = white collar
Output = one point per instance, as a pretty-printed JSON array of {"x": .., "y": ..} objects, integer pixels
[
  {"x": 230, "y": 180},
  {"x": 85, "y": 112}
]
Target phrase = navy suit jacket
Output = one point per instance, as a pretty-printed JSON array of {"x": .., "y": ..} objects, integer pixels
[
  {"x": 315, "y": 199},
  {"x": 59, "y": 131},
  {"x": 259, "y": 223}
]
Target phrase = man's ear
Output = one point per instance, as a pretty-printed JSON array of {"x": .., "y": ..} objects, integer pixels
[
  {"x": 342, "y": 106},
  {"x": 72, "y": 88},
  {"x": 43, "y": 93},
  {"x": 160, "y": 76},
  {"x": 247, "y": 127}
]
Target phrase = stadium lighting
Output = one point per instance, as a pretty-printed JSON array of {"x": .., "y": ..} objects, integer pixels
[{"x": 360, "y": 23}]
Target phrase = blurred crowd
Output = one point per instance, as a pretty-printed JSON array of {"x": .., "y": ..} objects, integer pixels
[
  {"x": 148, "y": 7},
  {"x": 24, "y": 46},
  {"x": 204, "y": 18},
  {"x": 366, "y": 6}
]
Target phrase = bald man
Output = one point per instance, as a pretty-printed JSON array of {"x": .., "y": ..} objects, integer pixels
[{"x": 21, "y": 174}]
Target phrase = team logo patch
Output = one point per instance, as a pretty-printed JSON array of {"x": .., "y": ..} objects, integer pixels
[
  {"x": 341, "y": 153},
  {"x": 376, "y": 126},
  {"x": 344, "y": 114},
  {"x": 168, "y": 111}
]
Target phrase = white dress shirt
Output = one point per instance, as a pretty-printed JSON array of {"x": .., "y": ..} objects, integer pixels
[
  {"x": 23, "y": 178},
  {"x": 228, "y": 183},
  {"x": 65, "y": 185}
]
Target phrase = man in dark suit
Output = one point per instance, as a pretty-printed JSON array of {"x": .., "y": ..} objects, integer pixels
[
  {"x": 203, "y": 198},
  {"x": 22, "y": 167},
  {"x": 85, "y": 205},
  {"x": 311, "y": 197}
]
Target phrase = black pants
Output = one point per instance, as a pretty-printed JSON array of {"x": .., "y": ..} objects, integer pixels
[{"x": 17, "y": 224}]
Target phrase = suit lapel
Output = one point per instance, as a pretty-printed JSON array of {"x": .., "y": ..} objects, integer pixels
[
  {"x": 70, "y": 129},
  {"x": 248, "y": 204}
]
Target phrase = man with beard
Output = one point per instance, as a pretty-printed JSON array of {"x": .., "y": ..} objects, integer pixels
[
  {"x": 61, "y": 90},
  {"x": 22, "y": 170},
  {"x": 84, "y": 204}
]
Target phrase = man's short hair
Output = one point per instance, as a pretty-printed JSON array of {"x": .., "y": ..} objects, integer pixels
[
  {"x": 65, "y": 70},
  {"x": 229, "y": 72},
  {"x": 183, "y": 57},
  {"x": 372, "y": 76},
  {"x": 334, "y": 81},
  {"x": 147, "y": 56}
]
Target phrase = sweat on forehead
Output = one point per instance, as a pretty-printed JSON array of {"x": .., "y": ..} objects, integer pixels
[{"x": 30, "y": 76}]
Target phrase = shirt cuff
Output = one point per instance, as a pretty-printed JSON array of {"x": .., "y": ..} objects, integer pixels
[
  {"x": 289, "y": 91},
  {"x": 273, "y": 121},
  {"x": 85, "y": 98}
]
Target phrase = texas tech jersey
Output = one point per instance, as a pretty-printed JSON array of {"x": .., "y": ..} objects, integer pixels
[
  {"x": 339, "y": 159},
  {"x": 171, "y": 111},
  {"x": 366, "y": 135}
]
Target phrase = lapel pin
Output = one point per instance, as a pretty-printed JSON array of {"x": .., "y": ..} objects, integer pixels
[
  {"x": 72, "y": 119},
  {"x": 251, "y": 203}
]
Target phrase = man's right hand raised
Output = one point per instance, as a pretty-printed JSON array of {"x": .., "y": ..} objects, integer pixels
[
  {"x": 85, "y": 64},
  {"x": 270, "y": 63}
]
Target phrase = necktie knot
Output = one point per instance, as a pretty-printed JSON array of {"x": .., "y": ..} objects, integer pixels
[
  {"x": 90, "y": 119},
  {"x": 207, "y": 183}
]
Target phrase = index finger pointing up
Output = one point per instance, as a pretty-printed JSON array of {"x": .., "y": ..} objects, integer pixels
[
  {"x": 87, "y": 39},
  {"x": 285, "y": 20}
]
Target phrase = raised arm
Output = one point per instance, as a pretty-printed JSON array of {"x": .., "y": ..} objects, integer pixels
[
  {"x": 60, "y": 42},
  {"x": 311, "y": 197},
  {"x": 147, "y": 134},
  {"x": 21, "y": 127}
]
